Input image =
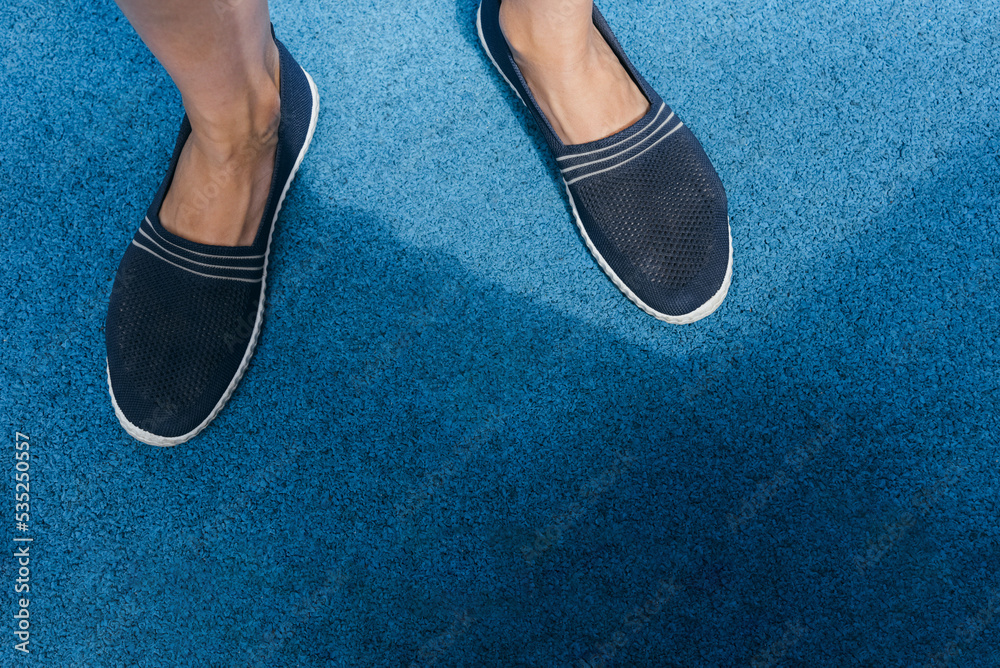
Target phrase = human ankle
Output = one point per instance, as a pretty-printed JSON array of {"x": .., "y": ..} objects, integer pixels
[
  {"x": 238, "y": 131},
  {"x": 223, "y": 176},
  {"x": 580, "y": 85},
  {"x": 558, "y": 36},
  {"x": 244, "y": 116}
]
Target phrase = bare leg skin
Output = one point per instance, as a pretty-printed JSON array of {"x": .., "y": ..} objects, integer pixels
[
  {"x": 579, "y": 84},
  {"x": 222, "y": 58}
]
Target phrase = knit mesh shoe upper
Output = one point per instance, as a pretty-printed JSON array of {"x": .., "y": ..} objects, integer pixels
[
  {"x": 176, "y": 338},
  {"x": 656, "y": 213}
]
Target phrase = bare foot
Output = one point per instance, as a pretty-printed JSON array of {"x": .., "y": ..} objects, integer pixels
[
  {"x": 574, "y": 76},
  {"x": 224, "y": 172}
]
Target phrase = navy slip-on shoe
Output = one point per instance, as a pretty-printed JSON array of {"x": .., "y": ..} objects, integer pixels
[
  {"x": 184, "y": 317},
  {"x": 647, "y": 201}
]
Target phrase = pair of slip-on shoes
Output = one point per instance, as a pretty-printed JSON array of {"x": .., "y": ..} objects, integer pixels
[{"x": 184, "y": 318}]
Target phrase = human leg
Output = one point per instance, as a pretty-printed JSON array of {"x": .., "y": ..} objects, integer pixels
[
  {"x": 573, "y": 74},
  {"x": 222, "y": 58},
  {"x": 187, "y": 304}
]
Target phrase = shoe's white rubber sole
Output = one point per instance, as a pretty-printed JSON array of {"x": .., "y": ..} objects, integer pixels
[
  {"x": 702, "y": 311},
  {"x": 166, "y": 441}
]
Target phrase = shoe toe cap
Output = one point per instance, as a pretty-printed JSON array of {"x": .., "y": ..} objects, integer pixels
[
  {"x": 175, "y": 345},
  {"x": 660, "y": 223}
]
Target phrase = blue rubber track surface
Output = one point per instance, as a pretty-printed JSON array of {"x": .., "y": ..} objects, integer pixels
[{"x": 458, "y": 444}]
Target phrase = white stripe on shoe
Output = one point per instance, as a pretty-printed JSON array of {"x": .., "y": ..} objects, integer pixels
[
  {"x": 619, "y": 143},
  {"x": 192, "y": 271},
  {"x": 259, "y": 256},
  {"x": 623, "y": 152},
  {"x": 201, "y": 264},
  {"x": 608, "y": 169}
]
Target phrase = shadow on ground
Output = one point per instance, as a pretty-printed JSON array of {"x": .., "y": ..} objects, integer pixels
[{"x": 420, "y": 468}]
